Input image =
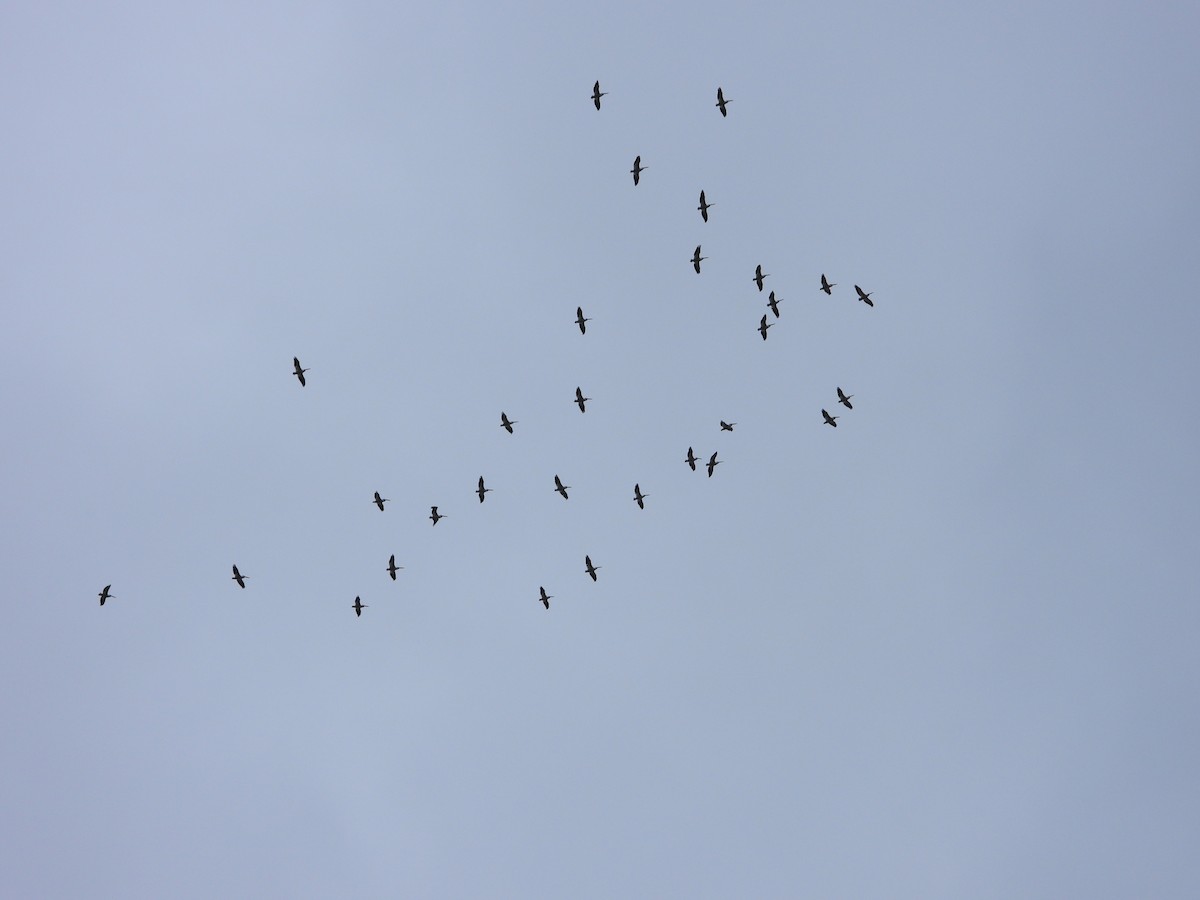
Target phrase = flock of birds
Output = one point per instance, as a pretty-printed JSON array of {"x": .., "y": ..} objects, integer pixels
[{"x": 581, "y": 401}]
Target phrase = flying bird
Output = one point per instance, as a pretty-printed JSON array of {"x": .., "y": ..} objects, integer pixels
[
  {"x": 759, "y": 275},
  {"x": 638, "y": 496},
  {"x": 581, "y": 400},
  {"x": 545, "y": 598},
  {"x": 830, "y": 420},
  {"x": 481, "y": 490},
  {"x": 773, "y": 303},
  {"x": 580, "y": 320},
  {"x": 763, "y": 326},
  {"x": 104, "y": 594},
  {"x": 239, "y": 577},
  {"x": 713, "y": 462},
  {"x": 560, "y": 487},
  {"x": 506, "y": 423},
  {"x": 392, "y": 567},
  {"x": 691, "y": 459},
  {"x": 826, "y": 285},
  {"x": 299, "y": 372},
  {"x": 379, "y": 501},
  {"x": 637, "y": 169},
  {"x": 844, "y": 399},
  {"x": 727, "y": 426},
  {"x": 591, "y": 570},
  {"x": 435, "y": 515},
  {"x": 721, "y": 101},
  {"x": 864, "y": 297},
  {"x": 704, "y": 207},
  {"x": 359, "y": 606},
  {"x": 696, "y": 257},
  {"x": 597, "y": 94}
]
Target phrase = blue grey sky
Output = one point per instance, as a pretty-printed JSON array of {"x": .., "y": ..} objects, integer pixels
[{"x": 946, "y": 649}]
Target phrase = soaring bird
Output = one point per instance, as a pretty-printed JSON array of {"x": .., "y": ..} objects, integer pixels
[
  {"x": 830, "y": 420},
  {"x": 359, "y": 606},
  {"x": 637, "y": 169},
  {"x": 638, "y": 496},
  {"x": 704, "y": 207},
  {"x": 560, "y": 487},
  {"x": 773, "y": 303},
  {"x": 759, "y": 275},
  {"x": 597, "y": 94},
  {"x": 379, "y": 501},
  {"x": 392, "y": 567},
  {"x": 591, "y": 570},
  {"x": 727, "y": 426},
  {"x": 844, "y": 399},
  {"x": 713, "y": 462},
  {"x": 864, "y": 297},
  {"x": 827, "y": 285},
  {"x": 691, "y": 459},
  {"x": 506, "y": 423},
  {"x": 481, "y": 489},
  {"x": 696, "y": 257},
  {"x": 721, "y": 101},
  {"x": 545, "y": 598},
  {"x": 581, "y": 400},
  {"x": 763, "y": 326},
  {"x": 239, "y": 577},
  {"x": 298, "y": 372},
  {"x": 580, "y": 320},
  {"x": 435, "y": 515},
  {"x": 104, "y": 594}
]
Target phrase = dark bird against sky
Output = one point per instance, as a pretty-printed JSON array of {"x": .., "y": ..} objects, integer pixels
[
  {"x": 763, "y": 326},
  {"x": 591, "y": 570},
  {"x": 379, "y": 501},
  {"x": 713, "y": 462},
  {"x": 759, "y": 275},
  {"x": 239, "y": 577},
  {"x": 639, "y": 497},
  {"x": 560, "y": 487},
  {"x": 773, "y": 303},
  {"x": 544, "y": 599},
  {"x": 297, "y": 371},
  {"x": 727, "y": 426},
  {"x": 691, "y": 459},
  {"x": 637, "y": 169},
  {"x": 580, "y": 320},
  {"x": 721, "y": 101},
  {"x": 104, "y": 594},
  {"x": 844, "y": 399},
  {"x": 696, "y": 257},
  {"x": 830, "y": 420},
  {"x": 506, "y": 423},
  {"x": 581, "y": 400},
  {"x": 827, "y": 285},
  {"x": 597, "y": 94},
  {"x": 864, "y": 297},
  {"x": 359, "y": 606},
  {"x": 392, "y": 567},
  {"x": 435, "y": 515},
  {"x": 481, "y": 490},
  {"x": 704, "y": 207}
]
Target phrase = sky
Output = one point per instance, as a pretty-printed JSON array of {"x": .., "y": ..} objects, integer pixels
[{"x": 946, "y": 649}]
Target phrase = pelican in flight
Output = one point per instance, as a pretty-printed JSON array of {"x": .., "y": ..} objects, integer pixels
[
  {"x": 721, "y": 101},
  {"x": 727, "y": 426},
  {"x": 830, "y": 420},
  {"x": 239, "y": 577},
  {"x": 713, "y": 462},
  {"x": 637, "y": 169},
  {"x": 773, "y": 303},
  {"x": 359, "y": 606},
  {"x": 759, "y": 275},
  {"x": 581, "y": 400},
  {"x": 506, "y": 423},
  {"x": 560, "y": 487},
  {"x": 864, "y": 297},
  {"x": 379, "y": 501},
  {"x": 691, "y": 459},
  {"x": 763, "y": 326},
  {"x": 591, "y": 570},
  {"x": 392, "y": 567},
  {"x": 827, "y": 285},
  {"x": 104, "y": 594},
  {"x": 545, "y": 598},
  {"x": 580, "y": 319},
  {"x": 696, "y": 257},
  {"x": 298, "y": 372},
  {"x": 844, "y": 399},
  {"x": 639, "y": 497},
  {"x": 481, "y": 490},
  {"x": 597, "y": 94},
  {"x": 704, "y": 207},
  {"x": 435, "y": 515}
]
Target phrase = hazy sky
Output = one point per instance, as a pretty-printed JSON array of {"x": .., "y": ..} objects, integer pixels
[{"x": 947, "y": 649}]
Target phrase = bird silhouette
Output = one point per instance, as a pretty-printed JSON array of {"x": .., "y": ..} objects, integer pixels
[
  {"x": 759, "y": 275},
  {"x": 359, "y": 606},
  {"x": 544, "y": 599},
  {"x": 696, "y": 257},
  {"x": 104, "y": 594},
  {"x": 844, "y": 399},
  {"x": 827, "y": 285},
  {"x": 637, "y": 169},
  {"x": 773, "y": 303},
  {"x": 379, "y": 501},
  {"x": 763, "y": 326},
  {"x": 481, "y": 490},
  {"x": 560, "y": 487},
  {"x": 713, "y": 462},
  {"x": 591, "y": 570},
  {"x": 830, "y": 420},
  {"x": 691, "y": 459},
  {"x": 721, "y": 101},
  {"x": 597, "y": 94},
  {"x": 435, "y": 515},
  {"x": 580, "y": 320},
  {"x": 298, "y": 372},
  {"x": 239, "y": 577},
  {"x": 392, "y": 567},
  {"x": 639, "y": 497},
  {"x": 506, "y": 423},
  {"x": 727, "y": 426},
  {"x": 704, "y": 207},
  {"x": 864, "y": 297},
  {"x": 581, "y": 400}
]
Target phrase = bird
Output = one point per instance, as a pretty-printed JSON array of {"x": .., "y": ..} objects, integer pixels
[
  {"x": 591, "y": 570},
  {"x": 713, "y": 462},
  {"x": 506, "y": 423},
  {"x": 597, "y": 94},
  {"x": 826, "y": 285},
  {"x": 830, "y": 420},
  {"x": 721, "y": 101},
  {"x": 696, "y": 257},
  {"x": 581, "y": 400},
  {"x": 637, "y": 169},
  {"x": 844, "y": 399},
  {"x": 560, "y": 487},
  {"x": 239, "y": 577},
  {"x": 580, "y": 319},
  {"x": 359, "y": 606},
  {"x": 392, "y": 567},
  {"x": 763, "y": 326},
  {"x": 481, "y": 490},
  {"x": 299, "y": 372},
  {"x": 704, "y": 207},
  {"x": 104, "y": 594},
  {"x": 727, "y": 426},
  {"x": 638, "y": 496},
  {"x": 773, "y": 303},
  {"x": 435, "y": 515},
  {"x": 759, "y": 275},
  {"x": 691, "y": 459},
  {"x": 864, "y": 297},
  {"x": 379, "y": 501},
  {"x": 545, "y": 598}
]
